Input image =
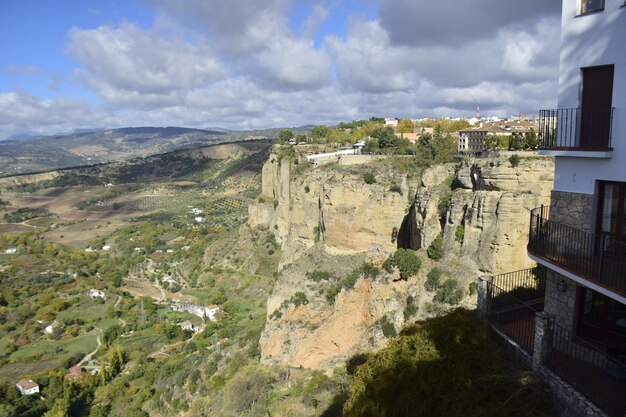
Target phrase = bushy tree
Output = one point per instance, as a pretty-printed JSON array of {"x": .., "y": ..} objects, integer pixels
[
  {"x": 435, "y": 249},
  {"x": 386, "y": 137},
  {"x": 319, "y": 133},
  {"x": 285, "y": 135},
  {"x": 449, "y": 292},
  {"x": 407, "y": 262},
  {"x": 405, "y": 126},
  {"x": 433, "y": 279},
  {"x": 514, "y": 160}
]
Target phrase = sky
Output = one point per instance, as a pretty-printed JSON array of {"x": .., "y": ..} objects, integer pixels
[{"x": 249, "y": 64}]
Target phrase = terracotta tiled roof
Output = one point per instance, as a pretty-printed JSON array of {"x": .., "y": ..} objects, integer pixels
[{"x": 27, "y": 384}]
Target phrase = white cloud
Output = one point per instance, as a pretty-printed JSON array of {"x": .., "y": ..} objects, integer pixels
[
  {"x": 238, "y": 64},
  {"x": 127, "y": 60},
  {"x": 367, "y": 62}
]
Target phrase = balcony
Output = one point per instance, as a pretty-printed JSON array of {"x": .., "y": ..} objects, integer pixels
[
  {"x": 597, "y": 259},
  {"x": 513, "y": 304},
  {"x": 576, "y": 130}
]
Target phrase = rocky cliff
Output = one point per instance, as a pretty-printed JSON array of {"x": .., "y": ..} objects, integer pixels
[{"x": 329, "y": 219}]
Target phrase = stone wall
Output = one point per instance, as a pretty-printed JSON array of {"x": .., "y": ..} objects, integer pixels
[
  {"x": 572, "y": 209},
  {"x": 560, "y": 306}
]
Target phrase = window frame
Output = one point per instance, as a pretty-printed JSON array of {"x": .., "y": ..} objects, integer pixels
[{"x": 580, "y": 7}]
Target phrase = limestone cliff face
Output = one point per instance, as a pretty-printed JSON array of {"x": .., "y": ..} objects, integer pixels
[
  {"x": 328, "y": 218},
  {"x": 335, "y": 207},
  {"x": 492, "y": 204}
]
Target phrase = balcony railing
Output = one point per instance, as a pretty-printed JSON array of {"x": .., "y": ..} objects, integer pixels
[
  {"x": 575, "y": 129},
  {"x": 513, "y": 300},
  {"x": 596, "y": 258},
  {"x": 598, "y": 376}
]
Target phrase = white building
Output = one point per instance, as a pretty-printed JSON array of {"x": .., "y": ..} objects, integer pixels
[
  {"x": 198, "y": 309},
  {"x": 390, "y": 121},
  {"x": 581, "y": 237},
  {"x": 27, "y": 387},
  {"x": 93, "y": 293},
  {"x": 10, "y": 251}
]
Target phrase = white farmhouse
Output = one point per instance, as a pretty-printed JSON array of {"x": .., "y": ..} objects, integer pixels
[
  {"x": 93, "y": 293},
  {"x": 27, "y": 387}
]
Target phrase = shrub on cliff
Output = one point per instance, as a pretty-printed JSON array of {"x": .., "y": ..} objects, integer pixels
[
  {"x": 407, "y": 262},
  {"x": 433, "y": 279},
  {"x": 514, "y": 160},
  {"x": 449, "y": 293},
  {"x": 369, "y": 178},
  {"x": 435, "y": 250}
]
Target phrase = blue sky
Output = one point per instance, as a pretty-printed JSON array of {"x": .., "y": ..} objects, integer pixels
[{"x": 245, "y": 64}]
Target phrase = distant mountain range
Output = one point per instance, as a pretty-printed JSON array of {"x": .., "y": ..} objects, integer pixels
[{"x": 83, "y": 147}]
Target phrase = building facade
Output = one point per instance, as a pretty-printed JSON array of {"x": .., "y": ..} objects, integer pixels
[
  {"x": 474, "y": 140},
  {"x": 581, "y": 237}
]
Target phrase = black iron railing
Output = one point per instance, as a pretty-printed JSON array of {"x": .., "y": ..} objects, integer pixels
[
  {"x": 595, "y": 374},
  {"x": 513, "y": 300},
  {"x": 596, "y": 258},
  {"x": 575, "y": 129}
]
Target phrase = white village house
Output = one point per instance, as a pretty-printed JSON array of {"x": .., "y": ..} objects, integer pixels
[
  {"x": 93, "y": 293},
  {"x": 198, "y": 310},
  {"x": 27, "y": 387}
]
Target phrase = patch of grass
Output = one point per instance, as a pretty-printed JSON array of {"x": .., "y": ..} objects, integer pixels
[
  {"x": 369, "y": 178},
  {"x": 459, "y": 233},
  {"x": 83, "y": 344},
  {"x": 387, "y": 327},
  {"x": 319, "y": 275}
]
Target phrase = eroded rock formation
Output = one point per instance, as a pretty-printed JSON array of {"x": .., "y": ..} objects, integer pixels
[{"x": 332, "y": 211}]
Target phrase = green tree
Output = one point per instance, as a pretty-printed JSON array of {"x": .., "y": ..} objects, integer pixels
[
  {"x": 531, "y": 139},
  {"x": 405, "y": 126},
  {"x": 386, "y": 137},
  {"x": 407, "y": 262},
  {"x": 285, "y": 135},
  {"x": 435, "y": 249},
  {"x": 433, "y": 279},
  {"x": 319, "y": 133}
]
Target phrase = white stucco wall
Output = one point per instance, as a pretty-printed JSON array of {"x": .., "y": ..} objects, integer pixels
[{"x": 590, "y": 40}]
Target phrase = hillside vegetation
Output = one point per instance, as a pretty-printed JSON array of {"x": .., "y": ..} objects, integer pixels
[{"x": 226, "y": 282}]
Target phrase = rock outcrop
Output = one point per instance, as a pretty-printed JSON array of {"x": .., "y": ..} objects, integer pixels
[
  {"x": 336, "y": 207},
  {"x": 324, "y": 214}
]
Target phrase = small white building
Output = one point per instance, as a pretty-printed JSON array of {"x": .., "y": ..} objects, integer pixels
[
  {"x": 10, "y": 251},
  {"x": 93, "y": 293},
  {"x": 390, "y": 121},
  {"x": 168, "y": 278},
  {"x": 106, "y": 248},
  {"x": 199, "y": 219},
  {"x": 27, "y": 387},
  {"x": 186, "y": 325}
]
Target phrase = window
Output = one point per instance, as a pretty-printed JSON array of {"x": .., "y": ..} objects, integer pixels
[{"x": 589, "y": 6}]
